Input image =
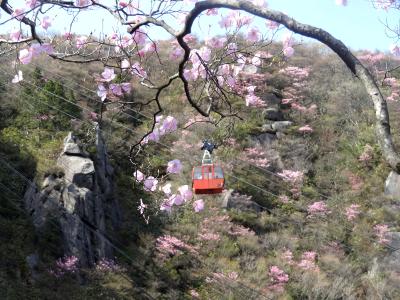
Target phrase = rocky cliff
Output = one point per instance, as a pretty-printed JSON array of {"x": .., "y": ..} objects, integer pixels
[{"x": 80, "y": 198}]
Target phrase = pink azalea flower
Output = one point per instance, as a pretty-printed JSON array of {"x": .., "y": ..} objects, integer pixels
[
  {"x": 166, "y": 205},
  {"x": 45, "y": 23},
  {"x": 395, "y": 50},
  {"x": 126, "y": 87},
  {"x": 176, "y": 53},
  {"x": 177, "y": 199},
  {"x": 18, "y": 13},
  {"x": 81, "y": 41},
  {"x": 108, "y": 74},
  {"x": 139, "y": 176},
  {"x": 272, "y": 25},
  {"x": 170, "y": 124},
  {"x": 25, "y": 56},
  {"x": 306, "y": 128},
  {"x": 116, "y": 89},
  {"x": 185, "y": 192},
  {"x": 82, "y": 3},
  {"x": 198, "y": 205},
  {"x": 150, "y": 184},
  {"x": 352, "y": 212},
  {"x": 166, "y": 189},
  {"x": 125, "y": 64},
  {"x": 154, "y": 135},
  {"x": 102, "y": 92},
  {"x": 16, "y": 35},
  {"x": 67, "y": 36},
  {"x": 288, "y": 51},
  {"x": 31, "y": 3},
  {"x": 254, "y": 35},
  {"x": 174, "y": 166}
]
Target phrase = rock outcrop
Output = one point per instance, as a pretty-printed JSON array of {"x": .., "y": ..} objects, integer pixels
[
  {"x": 239, "y": 202},
  {"x": 80, "y": 198}
]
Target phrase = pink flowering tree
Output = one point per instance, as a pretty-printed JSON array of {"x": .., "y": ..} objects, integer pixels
[{"x": 210, "y": 72}]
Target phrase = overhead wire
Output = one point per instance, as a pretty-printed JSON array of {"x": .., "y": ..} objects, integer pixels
[
  {"x": 230, "y": 175},
  {"x": 106, "y": 238}
]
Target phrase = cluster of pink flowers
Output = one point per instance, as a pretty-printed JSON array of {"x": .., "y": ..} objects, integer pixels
[
  {"x": 255, "y": 156},
  {"x": 366, "y": 156},
  {"x": 395, "y": 88},
  {"x": 306, "y": 129},
  {"x": 384, "y": 4},
  {"x": 108, "y": 265},
  {"x": 381, "y": 231},
  {"x": 65, "y": 265},
  {"x": 26, "y": 55},
  {"x": 168, "y": 246},
  {"x": 352, "y": 212},
  {"x": 278, "y": 278},
  {"x": 209, "y": 236},
  {"x": 308, "y": 260},
  {"x": 355, "y": 181},
  {"x": 183, "y": 195},
  {"x": 111, "y": 91},
  {"x": 293, "y": 177},
  {"x": 162, "y": 127},
  {"x": 318, "y": 208},
  {"x": 288, "y": 42}
]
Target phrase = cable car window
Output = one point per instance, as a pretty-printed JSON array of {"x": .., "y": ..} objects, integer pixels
[
  {"x": 207, "y": 172},
  {"x": 218, "y": 172},
  {"x": 197, "y": 173}
]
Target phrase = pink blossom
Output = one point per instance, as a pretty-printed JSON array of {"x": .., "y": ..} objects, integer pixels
[
  {"x": 381, "y": 231},
  {"x": 341, "y": 2},
  {"x": 208, "y": 236},
  {"x": 278, "y": 278},
  {"x": 288, "y": 51},
  {"x": 139, "y": 176},
  {"x": 287, "y": 255},
  {"x": 106, "y": 265},
  {"x": 306, "y": 128},
  {"x": 138, "y": 70},
  {"x": 150, "y": 184},
  {"x": 108, "y": 74},
  {"x": 31, "y": 3},
  {"x": 254, "y": 35},
  {"x": 116, "y": 89},
  {"x": 170, "y": 124},
  {"x": 193, "y": 293},
  {"x": 101, "y": 92},
  {"x": 18, "y": 13},
  {"x": 185, "y": 192},
  {"x": 198, "y": 205},
  {"x": 212, "y": 12},
  {"x": 65, "y": 265},
  {"x": 166, "y": 188},
  {"x": 25, "y": 56},
  {"x": 352, "y": 212},
  {"x": 318, "y": 208},
  {"x": 82, "y": 3},
  {"x": 81, "y": 41},
  {"x": 18, "y": 77},
  {"x": 176, "y": 199},
  {"x": 16, "y": 35},
  {"x": 176, "y": 53},
  {"x": 231, "y": 48},
  {"x": 45, "y": 23},
  {"x": 284, "y": 199},
  {"x": 215, "y": 42},
  {"x": 308, "y": 261},
  {"x": 272, "y": 25},
  {"x": 226, "y": 21},
  {"x": 174, "y": 166},
  {"x": 294, "y": 177},
  {"x": 67, "y": 35},
  {"x": 367, "y": 153},
  {"x": 166, "y": 205}
]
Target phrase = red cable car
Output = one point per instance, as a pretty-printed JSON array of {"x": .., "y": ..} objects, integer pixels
[{"x": 207, "y": 178}]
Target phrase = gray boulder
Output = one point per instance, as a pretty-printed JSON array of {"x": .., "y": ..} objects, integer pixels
[
  {"x": 392, "y": 185},
  {"x": 281, "y": 125},
  {"x": 240, "y": 202},
  {"x": 273, "y": 114}
]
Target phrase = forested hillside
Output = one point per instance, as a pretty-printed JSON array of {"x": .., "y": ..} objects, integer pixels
[
  {"x": 102, "y": 139},
  {"x": 304, "y": 213}
]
